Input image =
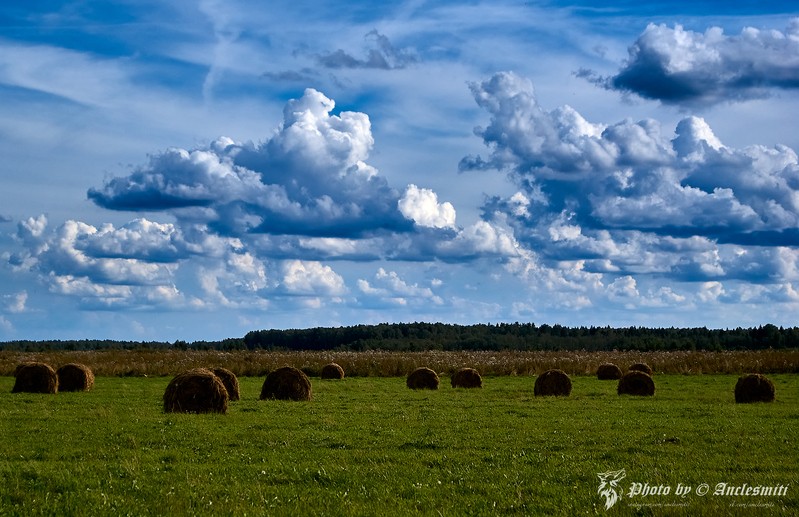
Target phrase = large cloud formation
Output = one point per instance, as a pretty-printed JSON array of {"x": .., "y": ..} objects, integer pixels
[
  {"x": 253, "y": 221},
  {"x": 633, "y": 197},
  {"x": 604, "y": 213},
  {"x": 309, "y": 178},
  {"x": 306, "y": 189},
  {"x": 679, "y": 66}
]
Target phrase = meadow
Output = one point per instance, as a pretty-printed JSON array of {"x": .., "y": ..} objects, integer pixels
[{"x": 367, "y": 445}]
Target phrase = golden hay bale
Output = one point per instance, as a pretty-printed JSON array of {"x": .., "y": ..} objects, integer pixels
[
  {"x": 641, "y": 367},
  {"x": 332, "y": 371},
  {"x": 636, "y": 382},
  {"x": 33, "y": 377},
  {"x": 230, "y": 381},
  {"x": 75, "y": 377},
  {"x": 467, "y": 378},
  {"x": 286, "y": 383},
  {"x": 553, "y": 383},
  {"x": 608, "y": 372},
  {"x": 196, "y": 391},
  {"x": 422, "y": 378},
  {"x": 754, "y": 387}
]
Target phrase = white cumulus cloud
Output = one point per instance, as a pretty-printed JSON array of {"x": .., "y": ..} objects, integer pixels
[
  {"x": 679, "y": 66},
  {"x": 422, "y": 207},
  {"x": 615, "y": 194},
  {"x": 311, "y": 278}
]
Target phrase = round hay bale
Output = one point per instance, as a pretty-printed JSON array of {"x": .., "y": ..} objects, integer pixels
[
  {"x": 196, "y": 391},
  {"x": 636, "y": 382},
  {"x": 230, "y": 381},
  {"x": 332, "y": 371},
  {"x": 422, "y": 379},
  {"x": 608, "y": 372},
  {"x": 33, "y": 377},
  {"x": 467, "y": 378},
  {"x": 641, "y": 367},
  {"x": 553, "y": 383},
  {"x": 75, "y": 377},
  {"x": 754, "y": 387},
  {"x": 286, "y": 383}
]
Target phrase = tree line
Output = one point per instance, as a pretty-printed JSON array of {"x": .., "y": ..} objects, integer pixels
[{"x": 442, "y": 336}]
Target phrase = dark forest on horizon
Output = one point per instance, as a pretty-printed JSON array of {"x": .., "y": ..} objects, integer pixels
[{"x": 403, "y": 337}]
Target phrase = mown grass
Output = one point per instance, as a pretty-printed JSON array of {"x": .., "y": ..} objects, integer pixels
[{"x": 370, "y": 446}]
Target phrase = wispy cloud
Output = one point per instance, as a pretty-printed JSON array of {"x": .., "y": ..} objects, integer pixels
[
  {"x": 380, "y": 54},
  {"x": 69, "y": 75},
  {"x": 15, "y": 303},
  {"x": 303, "y": 76}
]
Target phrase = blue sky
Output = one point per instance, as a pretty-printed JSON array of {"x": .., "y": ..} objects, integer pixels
[{"x": 196, "y": 170}]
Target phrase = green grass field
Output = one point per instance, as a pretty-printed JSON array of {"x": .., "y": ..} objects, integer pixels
[{"x": 370, "y": 446}]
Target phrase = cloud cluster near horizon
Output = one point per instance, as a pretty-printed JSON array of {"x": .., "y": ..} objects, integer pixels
[
  {"x": 635, "y": 198},
  {"x": 601, "y": 207},
  {"x": 255, "y": 219},
  {"x": 687, "y": 68}
]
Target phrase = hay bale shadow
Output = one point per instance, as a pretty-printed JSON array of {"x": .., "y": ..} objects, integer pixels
[
  {"x": 230, "y": 381},
  {"x": 196, "y": 391},
  {"x": 608, "y": 372},
  {"x": 332, "y": 371},
  {"x": 467, "y": 378},
  {"x": 422, "y": 378},
  {"x": 553, "y": 383},
  {"x": 636, "y": 382},
  {"x": 75, "y": 377},
  {"x": 641, "y": 367},
  {"x": 286, "y": 383},
  {"x": 754, "y": 387},
  {"x": 34, "y": 377}
]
